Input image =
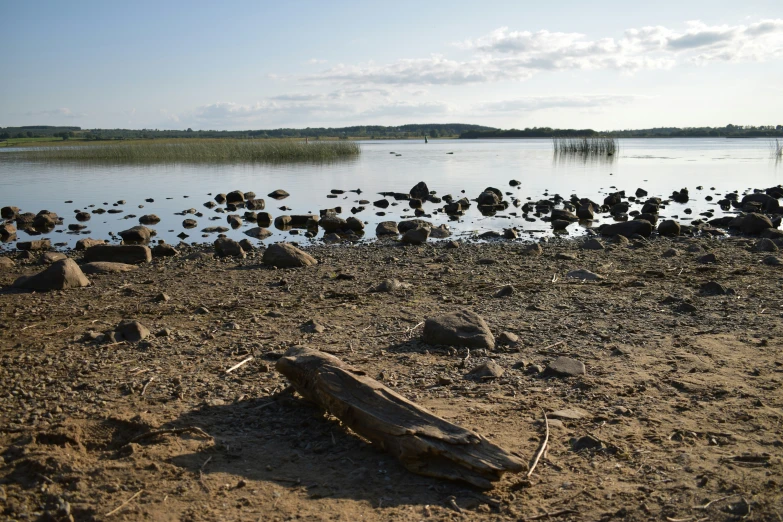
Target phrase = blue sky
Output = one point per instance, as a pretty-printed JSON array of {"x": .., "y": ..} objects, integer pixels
[{"x": 250, "y": 65}]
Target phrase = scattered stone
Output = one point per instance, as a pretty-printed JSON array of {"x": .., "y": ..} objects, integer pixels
[
  {"x": 84, "y": 244},
  {"x": 285, "y": 255},
  {"x": 712, "y": 288},
  {"x": 391, "y": 285},
  {"x": 60, "y": 275},
  {"x": 772, "y": 261},
  {"x": 508, "y": 338},
  {"x": 593, "y": 244},
  {"x": 9, "y": 212},
  {"x": 565, "y": 256},
  {"x": 707, "y": 259},
  {"x": 671, "y": 253},
  {"x": 533, "y": 249},
  {"x": 584, "y": 275},
  {"x": 566, "y": 367},
  {"x": 52, "y": 257},
  {"x": 6, "y": 262},
  {"x": 131, "y": 331},
  {"x": 461, "y": 328},
  {"x": 387, "y": 228},
  {"x": 507, "y": 290},
  {"x": 313, "y": 327},
  {"x": 486, "y": 371}
]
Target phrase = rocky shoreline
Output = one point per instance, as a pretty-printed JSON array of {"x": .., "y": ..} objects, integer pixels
[{"x": 657, "y": 362}]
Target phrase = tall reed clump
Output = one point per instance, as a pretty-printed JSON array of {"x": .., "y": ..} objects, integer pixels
[
  {"x": 586, "y": 146},
  {"x": 777, "y": 149},
  {"x": 196, "y": 151}
]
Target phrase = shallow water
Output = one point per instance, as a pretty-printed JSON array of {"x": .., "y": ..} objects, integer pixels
[{"x": 657, "y": 165}]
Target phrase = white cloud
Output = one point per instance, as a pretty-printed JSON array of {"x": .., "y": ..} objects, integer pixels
[
  {"x": 63, "y": 112},
  {"x": 517, "y": 55},
  {"x": 537, "y": 103}
]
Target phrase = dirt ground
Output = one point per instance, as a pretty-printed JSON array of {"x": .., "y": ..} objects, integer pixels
[{"x": 681, "y": 406}]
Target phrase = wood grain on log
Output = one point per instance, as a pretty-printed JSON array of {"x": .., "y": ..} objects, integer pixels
[{"x": 422, "y": 441}]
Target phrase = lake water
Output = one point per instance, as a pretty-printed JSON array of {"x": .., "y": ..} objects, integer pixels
[{"x": 657, "y": 165}]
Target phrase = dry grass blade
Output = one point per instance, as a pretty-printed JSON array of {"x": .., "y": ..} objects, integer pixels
[
  {"x": 541, "y": 449},
  {"x": 171, "y": 431},
  {"x": 113, "y": 511}
]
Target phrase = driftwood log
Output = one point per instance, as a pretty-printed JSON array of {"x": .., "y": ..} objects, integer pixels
[{"x": 423, "y": 442}]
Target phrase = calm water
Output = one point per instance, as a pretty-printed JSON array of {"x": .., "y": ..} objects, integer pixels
[{"x": 659, "y": 166}]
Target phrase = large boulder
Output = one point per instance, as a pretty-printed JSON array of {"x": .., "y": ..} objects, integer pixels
[
  {"x": 45, "y": 221},
  {"x": 420, "y": 191},
  {"x": 768, "y": 203},
  {"x": 416, "y": 236},
  {"x": 286, "y": 255},
  {"x": 131, "y": 331},
  {"x": 255, "y": 204},
  {"x": 410, "y": 224},
  {"x": 164, "y": 250},
  {"x": 61, "y": 275},
  {"x": 754, "y": 224},
  {"x": 7, "y": 232},
  {"x": 9, "y": 212},
  {"x": 264, "y": 219},
  {"x": 627, "y": 228},
  {"x": 139, "y": 235},
  {"x": 387, "y": 228},
  {"x": 461, "y": 328},
  {"x": 226, "y": 247},
  {"x": 669, "y": 227},
  {"x": 331, "y": 223},
  {"x": 235, "y": 197},
  {"x": 128, "y": 254}
]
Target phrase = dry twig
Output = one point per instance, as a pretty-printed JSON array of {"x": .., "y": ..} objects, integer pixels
[
  {"x": 171, "y": 431},
  {"x": 541, "y": 449},
  {"x": 113, "y": 511}
]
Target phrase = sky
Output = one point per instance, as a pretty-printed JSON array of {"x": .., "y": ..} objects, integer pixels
[{"x": 238, "y": 65}]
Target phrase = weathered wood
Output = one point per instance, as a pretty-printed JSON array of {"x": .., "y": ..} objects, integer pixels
[{"x": 422, "y": 441}]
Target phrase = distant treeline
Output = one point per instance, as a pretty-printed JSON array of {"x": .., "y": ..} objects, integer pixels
[
  {"x": 434, "y": 130},
  {"x": 729, "y": 131}
]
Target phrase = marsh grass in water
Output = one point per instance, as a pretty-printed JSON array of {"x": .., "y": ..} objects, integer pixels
[
  {"x": 586, "y": 146},
  {"x": 194, "y": 151},
  {"x": 777, "y": 148}
]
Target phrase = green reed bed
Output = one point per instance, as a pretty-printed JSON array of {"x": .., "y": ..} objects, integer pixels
[
  {"x": 195, "y": 151},
  {"x": 586, "y": 146}
]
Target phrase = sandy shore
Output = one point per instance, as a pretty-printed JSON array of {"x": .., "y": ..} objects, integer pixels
[{"x": 678, "y": 416}]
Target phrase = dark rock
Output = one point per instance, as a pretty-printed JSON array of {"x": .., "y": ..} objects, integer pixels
[
  {"x": 753, "y": 224},
  {"x": 768, "y": 203},
  {"x": 566, "y": 367},
  {"x": 9, "y": 212},
  {"x": 381, "y": 203},
  {"x": 139, "y": 235},
  {"x": 772, "y": 261},
  {"x": 354, "y": 224},
  {"x": 387, "y": 228},
  {"x": 190, "y": 223},
  {"x": 235, "y": 197},
  {"x": 712, "y": 288},
  {"x": 7, "y": 232},
  {"x": 225, "y": 247},
  {"x": 285, "y": 255},
  {"x": 52, "y": 257},
  {"x": 440, "y": 232},
  {"x": 131, "y": 331},
  {"x": 506, "y": 291},
  {"x": 416, "y": 236},
  {"x": 420, "y": 191},
  {"x": 508, "y": 338},
  {"x": 312, "y": 326},
  {"x": 60, "y": 275},
  {"x": 640, "y": 193},
  {"x": 707, "y": 258},
  {"x": 593, "y": 244},
  {"x": 234, "y": 221},
  {"x": 533, "y": 249},
  {"x": 278, "y": 194},
  {"x": 671, "y": 253},
  {"x": 765, "y": 245},
  {"x": 255, "y": 204},
  {"x": 149, "y": 219},
  {"x": 669, "y": 228},
  {"x": 83, "y": 216},
  {"x": 164, "y": 250},
  {"x": 461, "y": 328}
]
